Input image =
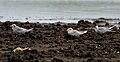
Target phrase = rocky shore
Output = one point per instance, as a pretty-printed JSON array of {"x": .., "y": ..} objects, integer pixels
[{"x": 49, "y": 42}]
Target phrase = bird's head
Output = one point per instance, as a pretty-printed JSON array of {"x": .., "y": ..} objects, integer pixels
[
  {"x": 69, "y": 29},
  {"x": 97, "y": 26},
  {"x": 13, "y": 25}
]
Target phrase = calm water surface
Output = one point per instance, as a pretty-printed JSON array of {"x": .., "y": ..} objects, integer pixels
[{"x": 60, "y": 8}]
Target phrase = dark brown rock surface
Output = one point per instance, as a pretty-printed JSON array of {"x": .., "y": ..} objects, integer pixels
[{"x": 51, "y": 43}]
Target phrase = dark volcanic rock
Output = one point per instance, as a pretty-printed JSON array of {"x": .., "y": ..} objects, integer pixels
[
  {"x": 101, "y": 23},
  {"x": 57, "y": 60},
  {"x": 83, "y": 23},
  {"x": 51, "y": 40}
]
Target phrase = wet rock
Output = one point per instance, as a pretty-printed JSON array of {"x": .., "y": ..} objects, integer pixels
[
  {"x": 51, "y": 41},
  {"x": 27, "y": 22},
  {"x": 84, "y": 23},
  {"x": 57, "y": 60},
  {"x": 101, "y": 23}
]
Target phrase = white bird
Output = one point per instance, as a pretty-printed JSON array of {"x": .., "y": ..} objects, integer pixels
[
  {"x": 116, "y": 25},
  {"x": 102, "y": 29},
  {"x": 18, "y": 29},
  {"x": 75, "y": 32}
]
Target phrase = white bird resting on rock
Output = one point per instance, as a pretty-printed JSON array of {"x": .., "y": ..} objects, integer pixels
[
  {"x": 75, "y": 32},
  {"x": 18, "y": 29},
  {"x": 103, "y": 29},
  {"x": 116, "y": 25}
]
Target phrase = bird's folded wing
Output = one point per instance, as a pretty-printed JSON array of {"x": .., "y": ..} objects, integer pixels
[{"x": 20, "y": 29}]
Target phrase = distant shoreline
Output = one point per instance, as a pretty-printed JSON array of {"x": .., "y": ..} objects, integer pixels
[{"x": 64, "y": 20}]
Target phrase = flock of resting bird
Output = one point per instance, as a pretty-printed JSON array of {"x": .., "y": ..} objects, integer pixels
[{"x": 70, "y": 31}]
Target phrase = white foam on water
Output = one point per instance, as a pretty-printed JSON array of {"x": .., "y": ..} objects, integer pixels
[{"x": 44, "y": 21}]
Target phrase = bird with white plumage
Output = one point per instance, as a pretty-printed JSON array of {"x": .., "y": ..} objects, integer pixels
[
  {"x": 103, "y": 29},
  {"x": 18, "y": 29},
  {"x": 73, "y": 32}
]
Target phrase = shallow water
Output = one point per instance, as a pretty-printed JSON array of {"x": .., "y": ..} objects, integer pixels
[{"x": 38, "y": 9}]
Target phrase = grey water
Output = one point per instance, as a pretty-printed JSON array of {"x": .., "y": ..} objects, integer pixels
[{"x": 60, "y": 8}]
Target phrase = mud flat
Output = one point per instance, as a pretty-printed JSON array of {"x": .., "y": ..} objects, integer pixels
[{"x": 51, "y": 43}]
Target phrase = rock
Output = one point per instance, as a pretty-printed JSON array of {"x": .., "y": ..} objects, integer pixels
[{"x": 57, "y": 60}]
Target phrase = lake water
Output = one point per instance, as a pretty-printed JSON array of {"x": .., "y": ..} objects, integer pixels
[{"x": 20, "y": 9}]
